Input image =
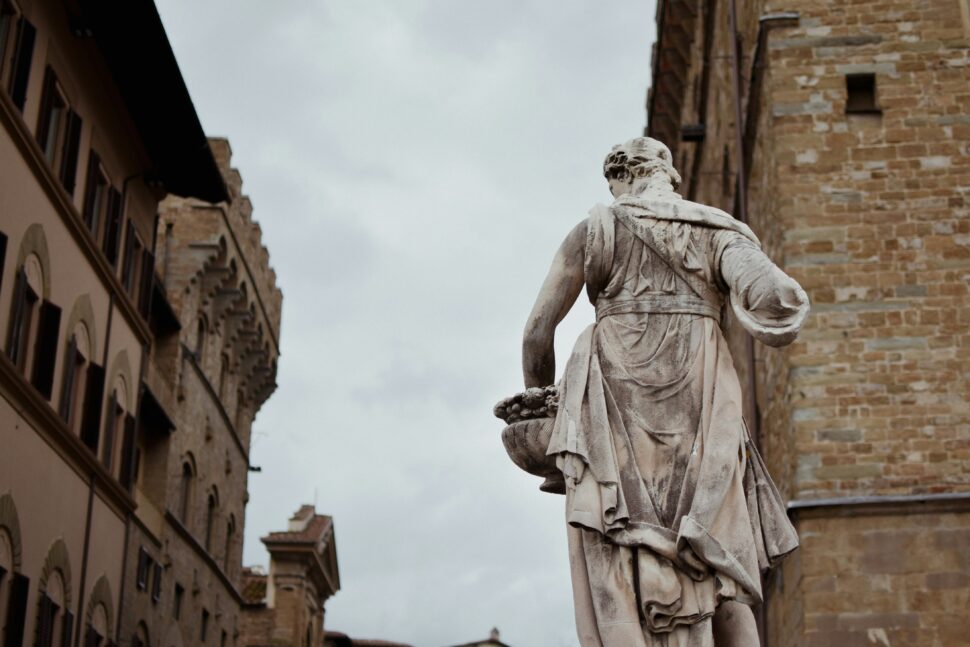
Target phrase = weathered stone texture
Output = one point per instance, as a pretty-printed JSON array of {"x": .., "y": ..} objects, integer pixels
[{"x": 871, "y": 214}]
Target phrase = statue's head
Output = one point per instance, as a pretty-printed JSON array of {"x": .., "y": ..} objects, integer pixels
[{"x": 640, "y": 163}]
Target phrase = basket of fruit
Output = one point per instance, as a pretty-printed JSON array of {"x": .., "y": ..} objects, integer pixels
[{"x": 530, "y": 417}]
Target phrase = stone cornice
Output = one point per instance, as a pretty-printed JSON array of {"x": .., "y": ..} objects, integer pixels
[{"x": 894, "y": 504}]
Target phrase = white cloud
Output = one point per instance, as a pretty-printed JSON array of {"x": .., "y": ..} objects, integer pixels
[{"x": 414, "y": 166}]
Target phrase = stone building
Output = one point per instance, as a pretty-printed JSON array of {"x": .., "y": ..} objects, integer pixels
[
  {"x": 840, "y": 131},
  {"x": 139, "y": 337},
  {"x": 286, "y": 605},
  {"x": 216, "y": 321}
]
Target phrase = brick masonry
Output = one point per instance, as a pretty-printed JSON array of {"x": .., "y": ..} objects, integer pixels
[{"x": 871, "y": 213}]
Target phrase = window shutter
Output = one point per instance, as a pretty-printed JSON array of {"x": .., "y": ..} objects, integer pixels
[
  {"x": 3, "y": 254},
  {"x": 22, "y": 58},
  {"x": 44, "y": 622},
  {"x": 17, "y": 610},
  {"x": 67, "y": 629},
  {"x": 46, "y": 99},
  {"x": 17, "y": 316},
  {"x": 156, "y": 582},
  {"x": 91, "y": 637},
  {"x": 90, "y": 185},
  {"x": 93, "y": 397},
  {"x": 128, "y": 265},
  {"x": 147, "y": 283},
  {"x": 67, "y": 388},
  {"x": 109, "y": 433},
  {"x": 128, "y": 454},
  {"x": 45, "y": 351},
  {"x": 112, "y": 233},
  {"x": 72, "y": 143}
]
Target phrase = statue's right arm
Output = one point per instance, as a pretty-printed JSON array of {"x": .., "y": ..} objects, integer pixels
[{"x": 558, "y": 294}]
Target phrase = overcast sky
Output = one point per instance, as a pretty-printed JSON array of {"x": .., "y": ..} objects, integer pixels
[{"x": 414, "y": 165}]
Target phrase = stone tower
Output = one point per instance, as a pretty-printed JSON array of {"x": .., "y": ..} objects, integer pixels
[{"x": 212, "y": 366}]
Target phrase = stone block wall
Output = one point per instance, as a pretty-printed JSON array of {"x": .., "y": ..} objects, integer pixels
[{"x": 871, "y": 213}]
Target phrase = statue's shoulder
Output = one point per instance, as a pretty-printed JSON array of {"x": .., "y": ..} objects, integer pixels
[{"x": 676, "y": 209}]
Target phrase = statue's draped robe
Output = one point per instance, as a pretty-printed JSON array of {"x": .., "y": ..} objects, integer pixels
[{"x": 670, "y": 509}]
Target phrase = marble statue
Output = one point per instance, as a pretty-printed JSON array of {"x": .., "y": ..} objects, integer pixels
[{"x": 671, "y": 515}]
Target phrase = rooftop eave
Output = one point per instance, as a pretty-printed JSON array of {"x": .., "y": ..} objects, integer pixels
[{"x": 132, "y": 40}]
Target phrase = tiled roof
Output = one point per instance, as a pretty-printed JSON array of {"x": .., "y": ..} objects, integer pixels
[
  {"x": 253, "y": 588},
  {"x": 315, "y": 530}
]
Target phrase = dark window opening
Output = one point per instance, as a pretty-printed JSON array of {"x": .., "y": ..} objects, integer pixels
[
  {"x": 210, "y": 522},
  {"x": 204, "y": 625},
  {"x": 8, "y": 20},
  {"x": 96, "y": 198},
  {"x": 185, "y": 493},
  {"x": 21, "y": 58},
  {"x": 144, "y": 569},
  {"x": 861, "y": 94},
  {"x": 177, "y": 601},
  {"x": 156, "y": 582},
  {"x": 59, "y": 131}
]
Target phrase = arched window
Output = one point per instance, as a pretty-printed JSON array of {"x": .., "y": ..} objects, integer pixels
[
  {"x": 76, "y": 363},
  {"x": 185, "y": 492},
  {"x": 223, "y": 375},
  {"x": 53, "y": 617},
  {"x": 200, "y": 333},
  {"x": 212, "y": 505},
  {"x": 14, "y": 585},
  {"x": 114, "y": 428},
  {"x": 22, "y": 333},
  {"x": 140, "y": 639},
  {"x": 230, "y": 540},
  {"x": 96, "y": 633}
]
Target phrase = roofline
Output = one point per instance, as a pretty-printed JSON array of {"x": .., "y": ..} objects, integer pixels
[{"x": 132, "y": 39}]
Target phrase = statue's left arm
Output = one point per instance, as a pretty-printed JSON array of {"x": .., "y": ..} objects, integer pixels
[
  {"x": 768, "y": 303},
  {"x": 558, "y": 294}
]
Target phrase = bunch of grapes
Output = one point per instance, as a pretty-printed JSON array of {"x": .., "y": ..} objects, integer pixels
[{"x": 534, "y": 402}]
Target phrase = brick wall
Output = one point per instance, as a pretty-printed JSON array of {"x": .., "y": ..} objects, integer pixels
[{"x": 871, "y": 213}]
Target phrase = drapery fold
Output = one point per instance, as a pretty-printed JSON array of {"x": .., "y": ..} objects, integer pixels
[{"x": 661, "y": 477}]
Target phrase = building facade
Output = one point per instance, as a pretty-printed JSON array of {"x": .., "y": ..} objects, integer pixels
[
  {"x": 139, "y": 337},
  {"x": 286, "y": 605},
  {"x": 840, "y": 131}
]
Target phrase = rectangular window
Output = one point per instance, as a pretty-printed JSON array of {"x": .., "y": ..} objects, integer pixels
[
  {"x": 8, "y": 22},
  {"x": 58, "y": 131},
  {"x": 156, "y": 582},
  {"x": 861, "y": 94},
  {"x": 93, "y": 398},
  {"x": 96, "y": 197},
  {"x": 128, "y": 447},
  {"x": 112, "y": 234},
  {"x": 177, "y": 601},
  {"x": 132, "y": 265},
  {"x": 45, "y": 349},
  {"x": 20, "y": 62},
  {"x": 110, "y": 433},
  {"x": 204, "y": 625},
  {"x": 144, "y": 570}
]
